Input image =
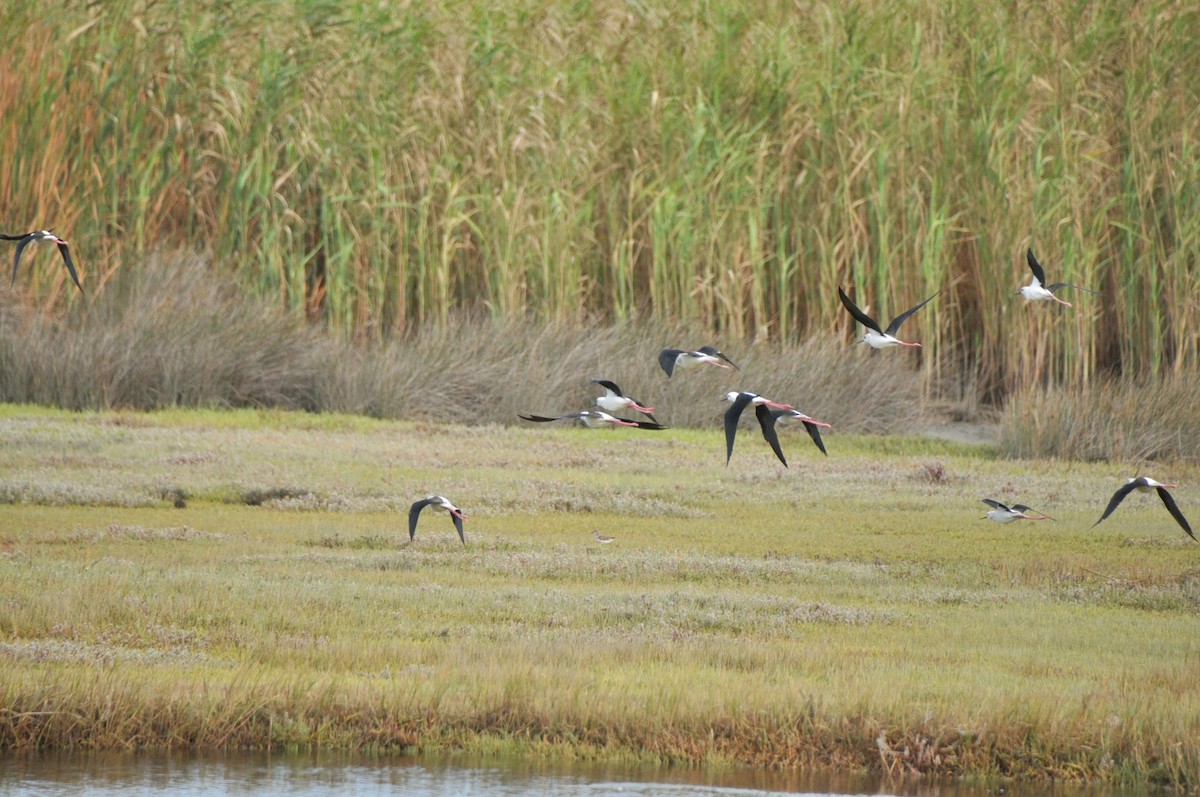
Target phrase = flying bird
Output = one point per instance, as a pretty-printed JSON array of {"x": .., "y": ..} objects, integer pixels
[
  {"x": 873, "y": 336},
  {"x": 26, "y": 239},
  {"x": 592, "y": 420},
  {"x": 1037, "y": 290},
  {"x": 436, "y": 502},
  {"x": 812, "y": 425},
  {"x": 1145, "y": 484},
  {"x": 762, "y": 409},
  {"x": 1007, "y": 514},
  {"x": 670, "y": 359},
  {"x": 614, "y": 400}
]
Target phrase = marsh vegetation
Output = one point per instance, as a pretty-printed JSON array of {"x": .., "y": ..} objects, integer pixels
[{"x": 858, "y": 613}]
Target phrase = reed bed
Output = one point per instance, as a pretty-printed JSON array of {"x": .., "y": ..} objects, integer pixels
[
  {"x": 173, "y": 334},
  {"x": 861, "y": 616},
  {"x": 727, "y": 165}
]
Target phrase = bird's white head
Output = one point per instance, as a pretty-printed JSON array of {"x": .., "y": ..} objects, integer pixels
[{"x": 731, "y": 396}]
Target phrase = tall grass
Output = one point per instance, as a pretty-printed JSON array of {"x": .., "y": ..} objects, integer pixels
[
  {"x": 173, "y": 333},
  {"x": 722, "y": 164}
]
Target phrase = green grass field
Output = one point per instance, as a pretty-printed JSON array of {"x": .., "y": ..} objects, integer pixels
[{"x": 854, "y": 611}]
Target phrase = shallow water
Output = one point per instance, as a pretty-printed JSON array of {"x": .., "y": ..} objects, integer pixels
[{"x": 145, "y": 775}]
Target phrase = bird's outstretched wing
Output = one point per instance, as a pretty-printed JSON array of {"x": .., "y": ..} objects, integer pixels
[
  {"x": 767, "y": 421},
  {"x": 458, "y": 526},
  {"x": 24, "y": 242},
  {"x": 66, "y": 256},
  {"x": 1058, "y": 285},
  {"x": 814, "y": 432},
  {"x": 894, "y": 327},
  {"x": 712, "y": 352},
  {"x": 731, "y": 421},
  {"x": 859, "y": 315},
  {"x": 994, "y": 504},
  {"x": 666, "y": 359},
  {"x": 413, "y": 512},
  {"x": 1115, "y": 501},
  {"x": 607, "y": 385},
  {"x": 1173, "y": 508},
  {"x": 1039, "y": 273}
]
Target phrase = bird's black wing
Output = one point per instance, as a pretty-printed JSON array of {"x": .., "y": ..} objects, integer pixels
[
  {"x": 607, "y": 385},
  {"x": 1023, "y": 508},
  {"x": 651, "y": 425},
  {"x": 1173, "y": 508},
  {"x": 413, "y": 512},
  {"x": 458, "y": 526},
  {"x": 1116, "y": 500},
  {"x": 66, "y": 256},
  {"x": 859, "y": 315},
  {"x": 666, "y": 359},
  {"x": 814, "y": 432},
  {"x": 1058, "y": 285},
  {"x": 543, "y": 418},
  {"x": 894, "y": 327},
  {"x": 7, "y": 237},
  {"x": 17, "y": 256},
  {"x": 767, "y": 421},
  {"x": 712, "y": 352},
  {"x": 1038, "y": 272},
  {"x": 994, "y": 504},
  {"x": 731, "y": 421}
]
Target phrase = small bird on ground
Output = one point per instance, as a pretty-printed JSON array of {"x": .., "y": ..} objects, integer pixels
[
  {"x": 25, "y": 239},
  {"x": 1007, "y": 514},
  {"x": 1037, "y": 290},
  {"x": 873, "y": 336},
  {"x": 436, "y": 502},
  {"x": 1145, "y": 484},
  {"x": 592, "y": 420},
  {"x": 670, "y": 359},
  {"x": 614, "y": 400},
  {"x": 603, "y": 539}
]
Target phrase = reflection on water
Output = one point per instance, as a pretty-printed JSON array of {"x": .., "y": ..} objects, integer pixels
[{"x": 145, "y": 775}]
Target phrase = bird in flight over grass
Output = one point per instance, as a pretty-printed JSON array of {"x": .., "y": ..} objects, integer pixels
[
  {"x": 603, "y": 539},
  {"x": 762, "y": 408},
  {"x": 592, "y": 420},
  {"x": 1037, "y": 290},
  {"x": 811, "y": 425},
  {"x": 614, "y": 400},
  {"x": 670, "y": 359},
  {"x": 1145, "y": 484},
  {"x": 25, "y": 239},
  {"x": 1007, "y": 514},
  {"x": 436, "y": 502},
  {"x": 873, "y": 336}
]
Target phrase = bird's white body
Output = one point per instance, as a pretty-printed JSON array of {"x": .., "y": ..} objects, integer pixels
[
  {"x": 882, "y": 340},
  {"x": 595, "y": 420},
  {"x": 603, "y": 539},
  {"x": 795, "y": 416},
  {"x": 757, "y": 400},
  {"x": 1001, "y": 513},
  {"x": 1036, "y": 292}
]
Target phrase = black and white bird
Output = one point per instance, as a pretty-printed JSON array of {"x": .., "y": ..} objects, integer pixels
[
  {"x": 1037, "y": 290},
  {"x": 25, "y": 239},
  {"x": 670, "y": 359},
  {"x": 1145, "y": 484},
  {"x": 762, "y": 409},
  {"x": 1007, "y": 514},
  {"x": 614, "y": 400},
  {"x": 811, "y": 425},
  {"x": 603, "y": 539},
  {"x": 592, "y": 420},
  {"x": 436, "y": 502},
  {"x": 873, "y": 336}
]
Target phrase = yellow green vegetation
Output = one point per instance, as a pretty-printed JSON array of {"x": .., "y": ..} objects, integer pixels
[
  {"x": 853, "y": 611},
  {"x": 724, "y": 163}
]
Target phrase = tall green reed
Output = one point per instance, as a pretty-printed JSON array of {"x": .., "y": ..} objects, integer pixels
[{"x": 375, "y": 168}]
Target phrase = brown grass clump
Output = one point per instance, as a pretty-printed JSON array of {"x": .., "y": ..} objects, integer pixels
[
  {"x": 173, "y": 333},
  {"x": 1129, "y": 421}
]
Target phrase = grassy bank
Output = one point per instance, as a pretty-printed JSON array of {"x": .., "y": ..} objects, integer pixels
[
  {"x": 858, "y": 613},
  {"x": 725, "y": 164}
]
